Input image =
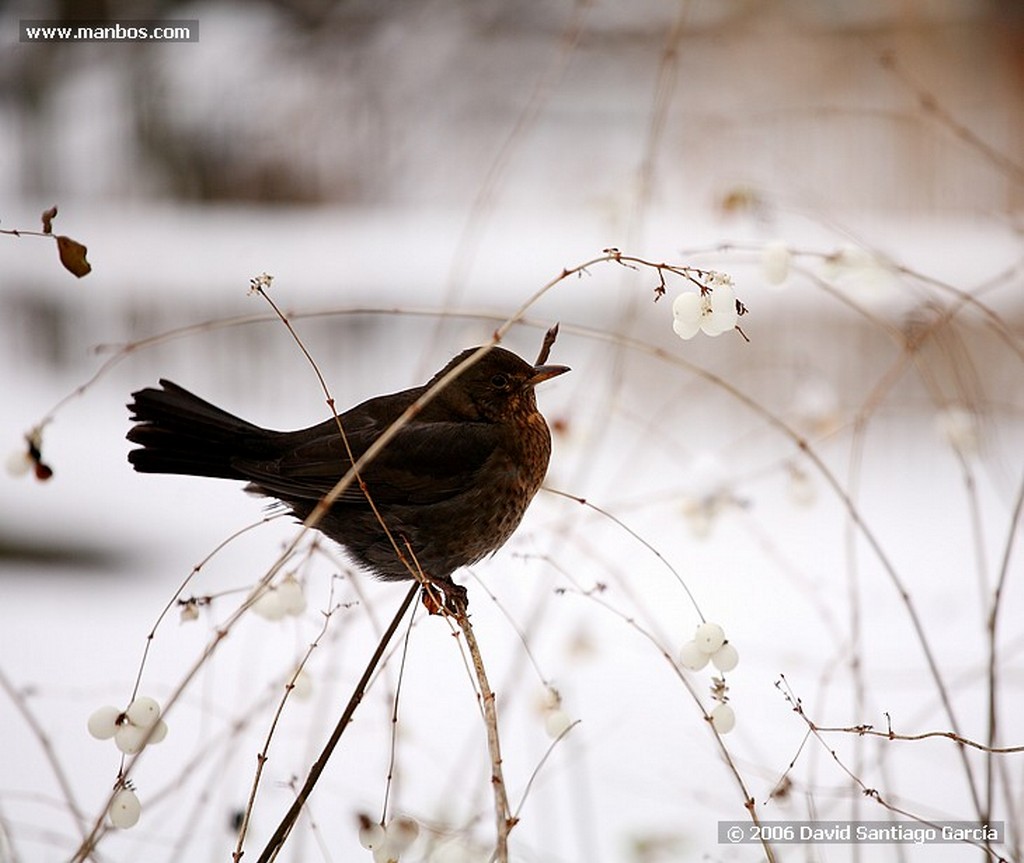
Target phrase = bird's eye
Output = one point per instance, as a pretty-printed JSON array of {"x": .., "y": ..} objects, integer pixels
[{"x": 499, "y": 381}]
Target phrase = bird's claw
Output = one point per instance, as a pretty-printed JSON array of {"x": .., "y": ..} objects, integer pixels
[{"x": 445, "y": 597}]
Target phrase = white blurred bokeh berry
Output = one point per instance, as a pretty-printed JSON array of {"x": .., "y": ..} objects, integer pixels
[
  {"x": 775, "y": 257},
  {"x": 291, "y": 596},
  {"x": 556, "y": 723},
  {"x": 959, "y": 427},
  {"x": 19, "y": 463}
]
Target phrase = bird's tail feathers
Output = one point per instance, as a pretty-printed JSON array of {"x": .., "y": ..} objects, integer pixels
[{"x": 180, "y": 433}]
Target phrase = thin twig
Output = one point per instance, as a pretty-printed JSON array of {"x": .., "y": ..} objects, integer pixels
[
  {"x": 277, "y": 840},
  {"x": 264, "y": 753},
  {"x": 21, "y": 705},
  {"x": 872, "y": 793},
  {"x": 504, "y": 820}
]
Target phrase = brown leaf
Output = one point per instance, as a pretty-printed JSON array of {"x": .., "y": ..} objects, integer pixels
[
  {"x": 72, "y": 256},
  {"x": 48, "y": 217}
]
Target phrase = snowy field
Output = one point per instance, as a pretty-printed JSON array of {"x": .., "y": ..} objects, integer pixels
[{"x": 839, "y": 487}]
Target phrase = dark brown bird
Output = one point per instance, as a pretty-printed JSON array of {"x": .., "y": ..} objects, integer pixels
[{"x": 453, "y": 483}]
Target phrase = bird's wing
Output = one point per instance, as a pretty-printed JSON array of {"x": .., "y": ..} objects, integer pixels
[{"x": 426, "y": 462}]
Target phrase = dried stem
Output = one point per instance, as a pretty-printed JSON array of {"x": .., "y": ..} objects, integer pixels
[
  {"x": 263, "y": 755},
  {"x": 504, "y": 821},
  {"x": 277, "y": 840}
]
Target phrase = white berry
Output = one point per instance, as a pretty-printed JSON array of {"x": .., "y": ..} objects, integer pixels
[
  {"x": 129, "y": 738},
  {"x": 775, "y": 258},
  {"x": 19, "y": 463},
  {"x": 291, "y": 597},
  {"x": 401, "y": 833},
  {"x": 725, "y": 658},
  {"x": 143, "y": 711},
  {"x": 723, "y": 718},
  {"x": 125, "y": 809},
  {"x": 692, "y": 657},
  {"x": 159, "y": 732},
  {"x": 269, "y": 606},
  {"x": 371, "y": 835},
  {"x": 709, "y": 637},
  {"x": 556, "y": 722},
  {"x": 103, "y": 722}
]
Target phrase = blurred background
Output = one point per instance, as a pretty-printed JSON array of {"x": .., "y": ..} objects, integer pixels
[{"x": 840, "y": 492}]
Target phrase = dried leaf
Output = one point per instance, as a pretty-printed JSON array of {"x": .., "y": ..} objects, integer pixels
[
  {"x": 48, "y": 217},
  {"x": 72, "y": 256}
]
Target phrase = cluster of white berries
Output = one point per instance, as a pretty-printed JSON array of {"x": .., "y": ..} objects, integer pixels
[
  {"x": 712, "y": 310},
  {"x": 132, "y": 728},
  {"x": 281, "y": 600},
  {"x": 709, "y": 645},
  {"x": 390, "y": 842}
]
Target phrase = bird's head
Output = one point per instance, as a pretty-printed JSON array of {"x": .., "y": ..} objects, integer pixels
[{"x": 497, "y": 387}]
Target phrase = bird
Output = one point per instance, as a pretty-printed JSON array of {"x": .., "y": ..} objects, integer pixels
[{"x": 447, "y": 490}]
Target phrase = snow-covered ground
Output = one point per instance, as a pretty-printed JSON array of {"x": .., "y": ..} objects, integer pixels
[{"x": 702, "y": 474}]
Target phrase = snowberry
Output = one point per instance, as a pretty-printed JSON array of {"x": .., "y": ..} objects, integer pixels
[
  {"x": 280, "y": 600},
  {"x": 103, "y": 722},
  {"x": 125, "y": 809},
  {"x": 725, "y": 658},
  {"x": 709, "y": 637},
  {"x": 775, "y": 262},
  {"x": 556, "y": 723},
  {"x": 130, "y": 728},
  {"x": 143, "y": 712},
  {"x": 723, "y": 718},
  {"x": 711, "y": 310},
  {"x": 400, "y": 834},
  {"x": 19, "y": 463},
  {"x": 291, "y": 597},
  {"x": 371, "y": 834},
  {"x": 159, "y": 732},
  {"x": 692, "y": 657},
  {"x": 130, "y": 738},
  {"x": 268, "y": 605}
]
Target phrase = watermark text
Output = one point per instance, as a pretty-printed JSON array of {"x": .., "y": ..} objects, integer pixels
[{"x": 108, "y": 31}]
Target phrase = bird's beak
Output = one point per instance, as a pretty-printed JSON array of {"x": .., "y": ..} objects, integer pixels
[{"x": 543, "y": 373}]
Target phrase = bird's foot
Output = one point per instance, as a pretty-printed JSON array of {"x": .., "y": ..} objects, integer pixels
[{"x": 445, "y": 597}]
